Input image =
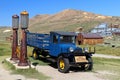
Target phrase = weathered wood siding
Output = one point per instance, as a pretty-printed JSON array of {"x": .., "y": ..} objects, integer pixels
[{"x": 92, "y": 41}]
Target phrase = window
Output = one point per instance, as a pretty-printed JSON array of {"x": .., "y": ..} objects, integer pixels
[
  {"x": 55, "y": 38},
  {"x": 67, "y": 39}
]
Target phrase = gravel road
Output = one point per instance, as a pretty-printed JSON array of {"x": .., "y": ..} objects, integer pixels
[
  {"x": 106, "y": 56},
  {"x": 55, "y": 75}
]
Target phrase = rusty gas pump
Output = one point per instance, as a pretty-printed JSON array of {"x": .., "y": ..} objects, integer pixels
[
  {"x": 23, "y": 49},
  {"x": 15, "y": 26}
]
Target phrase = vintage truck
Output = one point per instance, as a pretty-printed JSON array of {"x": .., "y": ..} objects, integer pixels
[{"x": 60, "y": 46}]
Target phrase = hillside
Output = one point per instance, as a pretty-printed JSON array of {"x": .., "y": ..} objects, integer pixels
[
  {"x": 5, "y": 32},
  {"x": 66, "y": 20},
  {"x": 69, "y": 20}
]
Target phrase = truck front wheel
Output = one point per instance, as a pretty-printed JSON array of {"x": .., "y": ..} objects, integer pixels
[
  {"x": 63, "y": 64},
  {"x": 88, "y": 66}
]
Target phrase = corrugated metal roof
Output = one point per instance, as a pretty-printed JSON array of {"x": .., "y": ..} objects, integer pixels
[
  {"x": 116, "y": 33},
  {"x": 102, "y": 25},
  {"x": 91, "y": 35}
]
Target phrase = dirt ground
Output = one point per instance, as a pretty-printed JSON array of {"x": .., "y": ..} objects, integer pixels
[
  {"x": 52, "y": 72},
  {"x": 73, "y": 75},
  {"x": 6, "y": 75},
  {"x": 55, "y": 75}
]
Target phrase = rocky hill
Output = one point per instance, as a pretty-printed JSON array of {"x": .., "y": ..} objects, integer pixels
[
  {"x": 69, "y": 20},
  {"x": 66, "y": 20}
]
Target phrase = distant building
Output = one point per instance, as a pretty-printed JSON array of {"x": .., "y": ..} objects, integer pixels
[
  {"x": 89, "y": 38},
  {"x": 104, "y": 30},
  {"x": 116, "y": 33}
]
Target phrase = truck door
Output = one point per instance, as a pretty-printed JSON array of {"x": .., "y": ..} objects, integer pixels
[{"x": 54, "y": 46}]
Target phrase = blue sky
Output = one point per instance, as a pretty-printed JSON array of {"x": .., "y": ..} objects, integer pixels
[{"x": 34, "y": 7}]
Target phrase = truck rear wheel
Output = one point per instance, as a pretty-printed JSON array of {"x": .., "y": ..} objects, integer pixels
[
  {"x": 88, "y": 66},
  {"x": 35, "y": 54},
  {"x": 63, "y": 64}
]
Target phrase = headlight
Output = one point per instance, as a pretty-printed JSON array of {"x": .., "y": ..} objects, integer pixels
[{"x": 71, "y": 49}]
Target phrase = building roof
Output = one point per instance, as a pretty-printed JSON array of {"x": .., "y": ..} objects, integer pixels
[
  {"x": 91, "y": 35},
  {"x": 116, "y": 33},
  {"x": 64, "y": 33},
  {"x": 102, "y": 25}
]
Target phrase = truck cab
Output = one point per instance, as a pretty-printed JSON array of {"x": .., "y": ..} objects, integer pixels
[{"x": 62, "y": 43}]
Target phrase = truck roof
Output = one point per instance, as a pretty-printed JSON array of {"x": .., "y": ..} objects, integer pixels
[{"x": 64, "y": 33}]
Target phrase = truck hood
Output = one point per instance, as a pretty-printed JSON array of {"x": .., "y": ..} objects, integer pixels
[{"x": 65, "y": 48}]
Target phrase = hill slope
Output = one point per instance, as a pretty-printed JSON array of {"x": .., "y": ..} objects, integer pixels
[{"x": 68, "y": 20}]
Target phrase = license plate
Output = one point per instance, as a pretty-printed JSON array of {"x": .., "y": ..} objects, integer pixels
[{"x": 80, "y": 59}]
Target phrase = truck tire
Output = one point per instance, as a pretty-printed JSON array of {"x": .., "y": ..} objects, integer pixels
[
  {"x": 88, "y": 66},
  {"x": 44, "y": 53},
  {"x": 91, "y": 63},
  {"x": 63, "y": 64},
  {"x": 35, "y": 54}
]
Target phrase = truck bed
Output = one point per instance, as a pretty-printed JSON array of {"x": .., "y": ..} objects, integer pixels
[{"x": 38, "y": 40}]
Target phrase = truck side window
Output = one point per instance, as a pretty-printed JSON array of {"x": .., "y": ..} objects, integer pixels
[{"x": 55, "y": 39}]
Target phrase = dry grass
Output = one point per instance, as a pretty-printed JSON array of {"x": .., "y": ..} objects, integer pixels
[
  {"x": 68, "y": 20},
  {"x": 108, "y": 68}
]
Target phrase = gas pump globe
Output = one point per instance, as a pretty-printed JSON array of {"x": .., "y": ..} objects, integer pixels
[
  {"x": 24, "y": 19},
  {"x": 15, "y": 22}
]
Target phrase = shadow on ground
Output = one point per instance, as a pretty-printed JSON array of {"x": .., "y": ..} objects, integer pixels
[{"x": 53, "y": 64}]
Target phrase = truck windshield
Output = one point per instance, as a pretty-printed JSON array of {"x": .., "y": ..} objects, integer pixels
[{"x": 67, "y": 39}]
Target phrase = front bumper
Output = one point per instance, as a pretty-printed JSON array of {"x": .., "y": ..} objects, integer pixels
[
  {"x": 82, "y": 59},
  {"x": 78, "y": 64}
]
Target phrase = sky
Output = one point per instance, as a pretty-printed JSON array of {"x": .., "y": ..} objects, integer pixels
[{"x": 34, "y": 7}]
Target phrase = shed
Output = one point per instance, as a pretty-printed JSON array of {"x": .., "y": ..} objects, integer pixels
[{"x": 89, "y": 38}]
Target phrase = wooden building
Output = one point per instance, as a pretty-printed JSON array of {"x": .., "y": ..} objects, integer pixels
[
  {"x": 89, "y": 38},
  {"x": 116, "y": 33}
]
